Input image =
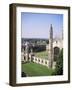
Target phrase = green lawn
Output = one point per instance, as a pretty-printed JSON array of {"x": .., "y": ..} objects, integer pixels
[
  {"x": 43, "y": 54},
  {"x": 33, "y": 69}
]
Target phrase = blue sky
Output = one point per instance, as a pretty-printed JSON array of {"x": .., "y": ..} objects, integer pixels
[{"x": 37, "y": 25}]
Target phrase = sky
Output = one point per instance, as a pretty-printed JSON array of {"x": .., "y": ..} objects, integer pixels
[{"x": 37, "y": 25}]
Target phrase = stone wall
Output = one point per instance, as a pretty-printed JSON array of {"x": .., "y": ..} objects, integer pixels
[
  {"x": 37, "y": 60},
  {"x": 41, "y": 61}
]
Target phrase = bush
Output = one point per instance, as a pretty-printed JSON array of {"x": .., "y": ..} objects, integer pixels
[{"x": 23, "y": 74}]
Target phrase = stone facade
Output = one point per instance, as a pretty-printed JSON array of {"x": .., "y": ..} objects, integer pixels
[
  {"x": 27, "y": 51},
  {"x": 53, "y": 48}
]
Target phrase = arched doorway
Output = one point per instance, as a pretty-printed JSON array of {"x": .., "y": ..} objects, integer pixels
[{"x": 56, "y": 53}]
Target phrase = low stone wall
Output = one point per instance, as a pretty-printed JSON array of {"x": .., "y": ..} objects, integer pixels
[
  {"x": 41, "y": 61},
  {"x": 36, "y": 60}
]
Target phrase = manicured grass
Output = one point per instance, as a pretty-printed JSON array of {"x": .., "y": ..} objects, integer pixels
[
  {"x": 43, "y": 54},
  {"x": 33, "y": 69}
]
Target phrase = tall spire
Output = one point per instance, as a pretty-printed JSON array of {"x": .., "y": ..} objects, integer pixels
[
  {"x": 50, "y": 52},
  {"x": 51, "y": 31},
  {"x": 62, "y": 33}
]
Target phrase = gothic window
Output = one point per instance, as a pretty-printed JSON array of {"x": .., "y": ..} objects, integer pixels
[
  {"x": 56, "y": 53},
  {"x": 39, "y": 60},
  {"x": 45, "y": 62},
  {"x": 42, "y": 61}
]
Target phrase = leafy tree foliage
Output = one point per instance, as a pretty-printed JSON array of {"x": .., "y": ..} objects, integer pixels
[{"x": 59, "y": 64}]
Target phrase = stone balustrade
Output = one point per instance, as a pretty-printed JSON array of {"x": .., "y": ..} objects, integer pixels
[
  {"x": 41, "y": 61},
  {"x": 37, "y": 60}
]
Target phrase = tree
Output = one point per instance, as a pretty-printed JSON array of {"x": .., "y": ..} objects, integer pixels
[{"x": 59, "y": 64}]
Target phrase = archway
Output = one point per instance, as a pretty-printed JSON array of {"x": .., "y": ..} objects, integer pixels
[{"x": 56, "y": 53}]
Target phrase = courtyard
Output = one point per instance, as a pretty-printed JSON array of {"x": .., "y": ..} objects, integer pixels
[
  {"x": 34, "y": 69},
  {"x": 42, "y": 54}
]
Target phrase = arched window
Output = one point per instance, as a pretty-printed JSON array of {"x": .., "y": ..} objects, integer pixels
[
  {"x": 42, "y": 61},
  {"x": 56, "y": 53},
  {"x": 45, "y": 62},
  {"x": 56, "y": 50},
  {"x": 39, "y": 60}
]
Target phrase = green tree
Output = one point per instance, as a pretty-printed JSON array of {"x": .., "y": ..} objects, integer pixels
[{"x": 59, "y": 64}]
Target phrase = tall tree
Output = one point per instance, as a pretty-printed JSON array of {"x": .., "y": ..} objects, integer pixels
[{"x": 59, "y": 64}]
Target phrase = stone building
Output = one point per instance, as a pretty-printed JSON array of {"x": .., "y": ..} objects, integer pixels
[
  {"x": 50, "y": 47},
  {"x": 53, "y": 48}
]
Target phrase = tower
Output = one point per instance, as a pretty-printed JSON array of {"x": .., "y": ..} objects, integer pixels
[
  {"x": 50, "y": 49},
  {"x": 27, "y": 51}
]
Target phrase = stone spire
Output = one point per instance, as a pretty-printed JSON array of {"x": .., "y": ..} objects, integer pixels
[
  {"x": 62, "y": 33},
  {"x": 50, "y": 50}
]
